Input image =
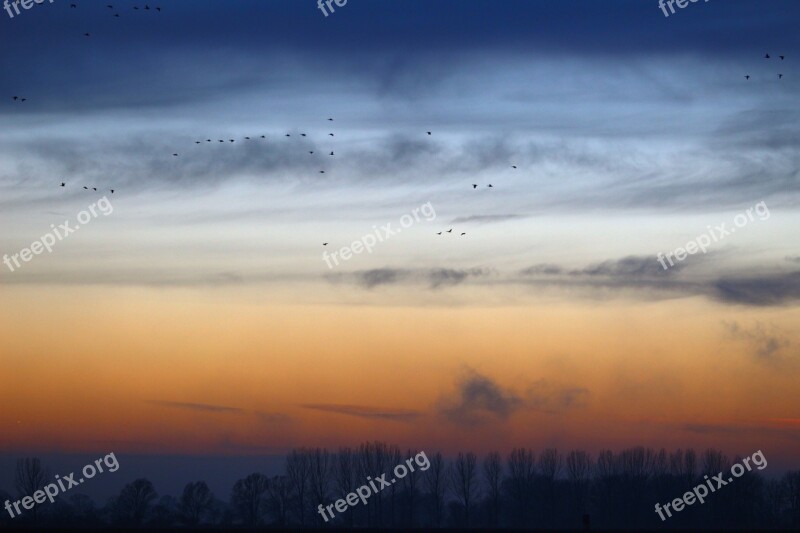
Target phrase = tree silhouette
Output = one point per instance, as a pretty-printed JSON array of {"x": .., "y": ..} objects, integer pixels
[
  {"x": 133, "y": 503},
  {"x": 248, "y": 498},
  {"x": 196, "y": 502}
]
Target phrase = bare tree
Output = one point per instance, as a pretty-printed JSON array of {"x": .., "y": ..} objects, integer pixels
[
  {"x": 410, "y": 485},
  {"x": 280, "y": 491},
  {"x": 579, "y": 472},
  {"x": 345, "y": 469},
  {"x": 298, "y": 470},
  {"x": 248, "y": 498},
  {"x": 464, "y": 480},
  {"x": 196, "y": 501},
  {"x": 319, "y": 475},
  {"x": 493, "y": 476},
  {"x": 521, "y": 472},
  {"x": 29, "y": 476},
  {"x": 435, "y": 481},
  {"x": 134, "y": 501}
]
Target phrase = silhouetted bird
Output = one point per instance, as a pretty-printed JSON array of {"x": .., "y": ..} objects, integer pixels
[
  {"x": 247, "y": 138},
  {"x": 439, "y": 233},
  {"x": 112, "y": 191},
  {"x": 87, "y": 188},
  {"x": 429, "y": 133},
  {"x": 747, "y": 77},
  {"x": 490, "y": 185},
  {"x": 322, "y": 172},
  {"x": 330, "y": 119},
  {"x": 463, "y": 234},
  {"x": 22, "y": 99},
  {"x": 109, "y": 6},
  {"x": 116, "y": 15},
  {"x": 331, "y": 134},
  {"x": 63, "y": 184},
  {"x": 197, "y": 142},
  {"x": 232, "y": 140},
  {"x": 263, "y": 136},
  {"x": 158, "y": 9},
  {"x": 474, "y": 185},
  {"x": 302, "y": 135},
  {"x": 175, "y": 155},
  {"x": 73, "y": 5},
  {"x": 331, "y": 153},
  {"x": 324, "y": 244},
  {"x": 782, "y": 57},
  {"x": 147, "y": 7},
  {"x": 288, "y": 135},
  {"x": 94, "y": 188},
  {"x": 208, "y": 140},
  {"x": 766, "y": 56},
  {"x": 513, "y": 166},
  {"x": 221, "y": 141},
  {"x": 15, "y": 97},
  {"x": 310, "y": 152},
  {"x": 780, "y": 76},
  {"x": 134, "y": 7},
  {"x": 87, "y": 35},
  {"x": 450, "y": 230}
]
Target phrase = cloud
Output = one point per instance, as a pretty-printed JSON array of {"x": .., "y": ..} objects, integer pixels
[
  {"x": 550, "y": 398},
  {"x": 397, "y": 415},
  {"x": 764, "y": 345},
  {"x": 434, "y": 278},
  {"x": 485, "y": 219},
  {"x": 765, "y": 290},
  {"x": 200, "y": 407},
  {"x": 478, "y": 400}
]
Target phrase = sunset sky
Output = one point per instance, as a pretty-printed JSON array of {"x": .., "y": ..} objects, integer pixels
[{"x": 199, "y": 318}]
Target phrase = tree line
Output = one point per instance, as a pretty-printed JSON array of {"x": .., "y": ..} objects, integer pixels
[{"x": 544, "y": 489}]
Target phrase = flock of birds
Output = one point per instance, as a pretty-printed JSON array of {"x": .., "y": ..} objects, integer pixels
[{"x": 767, "y": 56}]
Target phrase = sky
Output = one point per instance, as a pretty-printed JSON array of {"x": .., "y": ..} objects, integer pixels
[{"x": 197, "y": 314}]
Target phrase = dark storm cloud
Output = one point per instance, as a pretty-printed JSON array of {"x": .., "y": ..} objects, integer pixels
[{"x": 398, "y": 415}]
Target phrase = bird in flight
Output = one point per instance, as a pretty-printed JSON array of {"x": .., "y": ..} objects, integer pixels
[
  {"x": 331, "y": 153},
  {"x": 302, "y": 135},
  {"x": 780, "y": 76},
  {"x": 439, "y": 233},
  {"x": 94, "y": 188},
  {"x": 513, "y": 166},
  {"x": 87, "y": 188},
  {"x": 324, "y": 244},
  {"x": 112, "y": 191},
  {"x": 310, "y": 152},
  {"x": 782, "y": 57},
  {"x": 450, "y": 230},
  {"x": 87, "y": 35},
  {"x": 175, "y": 155},
  {"x": 463, "y": 234},
  {"x": 747, "y": 77},
  {"x": 263, "y": 136},
  {"x": 331, "y": 134},
  {"x": 247, "y": 138},
  {"x": 490, "y": 185},
  {"x": 322, "y": 172},
  {"x": 63, "y": 184},
  {"x": 429, "y": 133},
  {"x": 766, "y": 56},
  {"x": 330, "y": 119},
  {"x": 474, "y": 185}
]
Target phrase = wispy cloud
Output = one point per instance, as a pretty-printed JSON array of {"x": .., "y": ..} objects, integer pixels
[{"x": 361, "y": 411}]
